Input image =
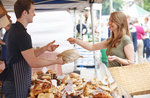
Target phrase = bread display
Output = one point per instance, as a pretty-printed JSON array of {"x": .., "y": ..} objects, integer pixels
[
  {"x": 70, "y": 55},
  {"x": 72, "y": 86},
  {"x": 84, "y": 89},
  {"x": 42, "y": 86}
]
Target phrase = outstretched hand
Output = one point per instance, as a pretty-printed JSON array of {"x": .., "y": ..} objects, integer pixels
[
  {"x": 71, "y": 40},
  {"x": 51, "y": 46}
]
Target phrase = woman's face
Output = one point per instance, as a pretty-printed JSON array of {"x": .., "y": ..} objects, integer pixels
[{"x": 112, "y": 25}]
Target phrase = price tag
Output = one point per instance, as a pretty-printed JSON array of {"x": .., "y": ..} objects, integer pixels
[
  {"x": 54, "y": 82},
  {"x": 44, "y": 70},
  {"x": 68, "y": 89},
  {"x": 69, "y": 82},
  {"x": 99, "y": 90}
]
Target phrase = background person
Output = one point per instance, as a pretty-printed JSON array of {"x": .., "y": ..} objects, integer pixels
[
  {"x": 4, "y": 22},
  {"x": 119, "y": 46},
  {"x": 132, "y": 30},
  {"x": 84, "y": 28},
  {"x": 140, "y": 36},
  {"x": 21, "y": 56},
  {"x": 146, "y": 40},
  {"x": 3, "y": 52}
]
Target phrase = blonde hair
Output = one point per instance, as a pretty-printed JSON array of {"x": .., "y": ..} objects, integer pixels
[{"x": 120, "y": 19}]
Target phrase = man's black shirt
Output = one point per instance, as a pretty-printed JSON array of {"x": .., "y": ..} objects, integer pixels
[{"x": 17, "y": 40}]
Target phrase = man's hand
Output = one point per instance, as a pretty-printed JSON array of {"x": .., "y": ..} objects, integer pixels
[
  {"x": 60, "y": 60},
  {"x": 51, "y": 46},
  {"x": 2, "y": 43}
]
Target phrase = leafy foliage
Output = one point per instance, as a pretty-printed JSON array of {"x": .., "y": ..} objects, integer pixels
[
  {"x": 145, "y": 4},
  {"x": 117, "y": 6}
]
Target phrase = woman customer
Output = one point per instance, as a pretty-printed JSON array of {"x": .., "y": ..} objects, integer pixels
[{"x": 119, "y": 46}]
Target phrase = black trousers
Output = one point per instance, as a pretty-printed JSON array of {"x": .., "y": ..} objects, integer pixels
[{"x": 8, "y": 88}]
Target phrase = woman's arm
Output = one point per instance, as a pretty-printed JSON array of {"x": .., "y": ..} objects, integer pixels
[{"x": 88, "y": 46}]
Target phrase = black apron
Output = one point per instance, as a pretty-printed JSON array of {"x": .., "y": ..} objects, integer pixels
[{"x": 22, "y": 78}]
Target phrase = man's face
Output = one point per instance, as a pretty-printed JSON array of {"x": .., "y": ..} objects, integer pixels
[{"x": 31, "y": 14}]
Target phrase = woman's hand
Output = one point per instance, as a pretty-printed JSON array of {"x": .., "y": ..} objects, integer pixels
[
  {"x": 71, "y": 40},
  {"x": 51, "y": 46},
  {"x": 112, "y": 58}
]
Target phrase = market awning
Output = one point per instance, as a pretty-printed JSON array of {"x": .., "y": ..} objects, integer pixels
[
  {"x": 54, "y": 4},
  {"x": 61, "y": 4}
]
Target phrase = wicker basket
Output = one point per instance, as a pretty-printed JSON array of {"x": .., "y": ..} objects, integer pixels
[{"x": 135, "y": 79}]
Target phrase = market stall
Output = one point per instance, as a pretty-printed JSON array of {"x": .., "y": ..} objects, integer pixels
[{"x": 43, "y": 83}]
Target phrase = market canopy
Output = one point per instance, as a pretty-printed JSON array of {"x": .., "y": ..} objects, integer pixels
[
  {"x": 54, "y": 4},
  {"x": 136, "y": 11}
]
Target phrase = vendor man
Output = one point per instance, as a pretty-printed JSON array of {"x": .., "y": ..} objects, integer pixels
[{"x": 21, "y": 56}]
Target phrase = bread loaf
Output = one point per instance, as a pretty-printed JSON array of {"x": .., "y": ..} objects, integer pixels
[{"x": 69, "y": 56}]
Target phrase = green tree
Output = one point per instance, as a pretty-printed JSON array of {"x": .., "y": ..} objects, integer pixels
[
  {"x": 117, "y": 6},
  {"x": 145, "y": 4}
]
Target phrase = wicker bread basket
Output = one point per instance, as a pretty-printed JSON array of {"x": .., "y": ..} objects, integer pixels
[{"x": 135, "y": 79}]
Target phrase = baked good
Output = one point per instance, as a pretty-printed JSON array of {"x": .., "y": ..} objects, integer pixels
[
  {"x": 102, "y": 95},
  {"x": 64, "y": 80},
  {"x": 46, "y": 95},
  {"x": 52, "y": 73},
  {"x": 45, "y": 76},
  {"x": 74, "y": 75},
  {"x": 69, "y": 56}
]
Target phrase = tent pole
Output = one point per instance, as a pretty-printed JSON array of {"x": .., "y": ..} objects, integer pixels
[
  {"x": 74, "y": 14},
  {"x": 81, "y": 25},
  {"x": 111, "y": 5},
  {"x": 75, "y": 35},
  {"x": 92, "y": 24}
]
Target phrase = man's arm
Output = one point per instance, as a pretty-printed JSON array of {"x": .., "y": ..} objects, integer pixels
[
  {"x": 40, "y": 51},
  {"x": 35, "y": 62},
  {"x": 49, "y": 47}
]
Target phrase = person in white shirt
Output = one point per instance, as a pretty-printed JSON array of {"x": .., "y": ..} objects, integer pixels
[{"x": 146, "y": 40}]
